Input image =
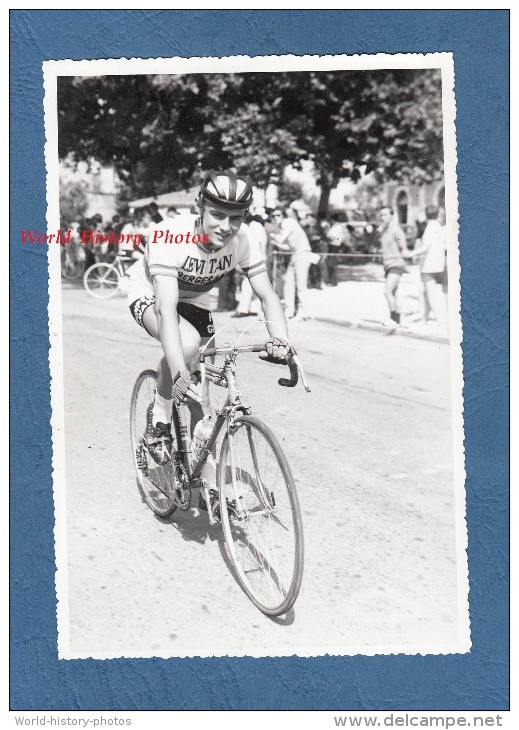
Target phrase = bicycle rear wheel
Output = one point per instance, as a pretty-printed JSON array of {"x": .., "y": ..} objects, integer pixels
[
  {"x": 157, "y": 483},
  {"x": 101, "y": 281},
  {"x": 261, "y": 517}
]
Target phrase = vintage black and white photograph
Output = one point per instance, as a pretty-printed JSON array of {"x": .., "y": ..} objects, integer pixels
[{"x": 254, "y": 313}]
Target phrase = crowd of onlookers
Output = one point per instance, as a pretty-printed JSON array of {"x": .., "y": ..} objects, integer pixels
[
  {"x": 304, "y": 252},
  {"x": 301, "y": 251}
]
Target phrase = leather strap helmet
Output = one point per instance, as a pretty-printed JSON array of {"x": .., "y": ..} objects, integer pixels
[{"x": 227, "y": 190}]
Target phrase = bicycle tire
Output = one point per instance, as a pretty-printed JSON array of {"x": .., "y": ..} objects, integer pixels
[
  {"x": 156, "y": 484},
  {"x": 248, "y": 506},
  {"x": 101, "y": 281}
]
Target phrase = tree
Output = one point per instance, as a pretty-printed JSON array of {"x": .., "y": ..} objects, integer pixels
[
  {"x": 349, "y": 123},
  {"x": 73, "y": 202},
  {"x": 163, "y": 131},
  {"x": 133, "y": 123}
]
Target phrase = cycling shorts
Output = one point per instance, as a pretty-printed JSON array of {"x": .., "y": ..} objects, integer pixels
[{"x": 201, "y": 319}]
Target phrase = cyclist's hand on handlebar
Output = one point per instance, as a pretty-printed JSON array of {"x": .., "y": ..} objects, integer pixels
[
  {"x": 186, "y": 387},
  {"x": 276, "y": 350}
]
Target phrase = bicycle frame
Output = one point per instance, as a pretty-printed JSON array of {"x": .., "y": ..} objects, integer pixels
[
  {"x": 224, "y": 377},
  {"x": 120, "y": 261},
  {"x": 117, "y": 264}
]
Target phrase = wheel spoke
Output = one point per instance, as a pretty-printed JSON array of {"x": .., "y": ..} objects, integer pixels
[
  {"x": 260, "y": 486},
  {"x": 101, "y": 280},
  {"x": 157, "y": 482}
]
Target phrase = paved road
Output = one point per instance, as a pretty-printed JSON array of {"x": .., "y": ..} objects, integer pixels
[{"x": 371, "y": 452}]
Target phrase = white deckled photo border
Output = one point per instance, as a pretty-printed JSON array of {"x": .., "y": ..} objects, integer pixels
[{"x": 57, "y": 68}]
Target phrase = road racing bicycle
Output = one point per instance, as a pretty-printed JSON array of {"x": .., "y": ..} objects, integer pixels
[
  {"x": 256, "y": 501},
  {"x": 104, "y": 280}
]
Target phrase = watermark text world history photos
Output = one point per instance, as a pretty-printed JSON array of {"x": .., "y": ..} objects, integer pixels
[{"x": 89, "y": 237}]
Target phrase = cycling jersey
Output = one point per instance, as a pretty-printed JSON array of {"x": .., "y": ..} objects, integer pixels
[{"x": 196, "y": 267}]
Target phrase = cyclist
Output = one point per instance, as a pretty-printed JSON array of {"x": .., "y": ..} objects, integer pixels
[{"x": 169, "y": 289}]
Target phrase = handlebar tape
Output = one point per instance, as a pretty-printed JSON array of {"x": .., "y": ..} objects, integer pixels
[{"x": 294, "y": 376}]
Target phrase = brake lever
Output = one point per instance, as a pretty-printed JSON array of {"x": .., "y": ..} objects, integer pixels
[{"x": 297, "y": 361}]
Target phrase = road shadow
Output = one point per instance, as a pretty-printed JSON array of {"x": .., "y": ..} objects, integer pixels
[{"x": 193, "y": 526}]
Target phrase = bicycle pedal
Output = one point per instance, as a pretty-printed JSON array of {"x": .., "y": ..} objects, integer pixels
[
  {"x": 140, "y": 454},
  {"x": 209, "y": 502}
]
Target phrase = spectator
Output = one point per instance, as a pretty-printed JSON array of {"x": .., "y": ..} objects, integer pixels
[
  {"x": 339, "y": 239},
  {"x": 247, "y": 297},
  {"x": 109, "y": 250},
  {"x": 129, "y": 249},
  {"x": 154, "y": 212},
  {"x": 394, "y": 249},
  {"x": 420, "y": 224},
  {"x": 276, "y": 265},
  {"x": 319, "y": 246},
  {"x": 144, "y": 223},
  {"x": 289, "y": 236},
  {"x": 116, "y": 223},
  {"x": 90, "y": 224},
  {"x": 431, "y": 257}
]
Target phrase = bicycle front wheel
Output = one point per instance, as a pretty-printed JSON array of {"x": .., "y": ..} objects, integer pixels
[
  {"x": 261, "y": 517},
  {"x": 157, "y": 483},
  {"x": 101, "y": 281}
]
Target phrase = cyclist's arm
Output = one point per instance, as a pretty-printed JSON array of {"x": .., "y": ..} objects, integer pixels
[
  {"x": 276, "y": 322},
  {"x": 166, "y": 300}
]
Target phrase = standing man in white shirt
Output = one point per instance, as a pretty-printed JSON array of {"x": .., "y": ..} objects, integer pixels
[
  {"x": 431, "y": 256},
  {"x": 248, "y": 299},
  {"x": 290, "y": 236}
]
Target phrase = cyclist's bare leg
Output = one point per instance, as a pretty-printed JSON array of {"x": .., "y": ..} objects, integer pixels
[
  {"x": 191, "y": 341},
  {"x": 190, "y": 344}
]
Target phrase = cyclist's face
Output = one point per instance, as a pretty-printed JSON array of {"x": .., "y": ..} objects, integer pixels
[{"x": 220, "y": 224}]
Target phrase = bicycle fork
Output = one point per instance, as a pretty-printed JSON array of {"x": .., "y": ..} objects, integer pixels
[{"x": 268, "y": 505}]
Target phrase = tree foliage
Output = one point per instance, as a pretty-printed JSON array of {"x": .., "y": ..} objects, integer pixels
[
  {"x": 73, "y": 201},
  {"x": 163, "y": 131}
]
